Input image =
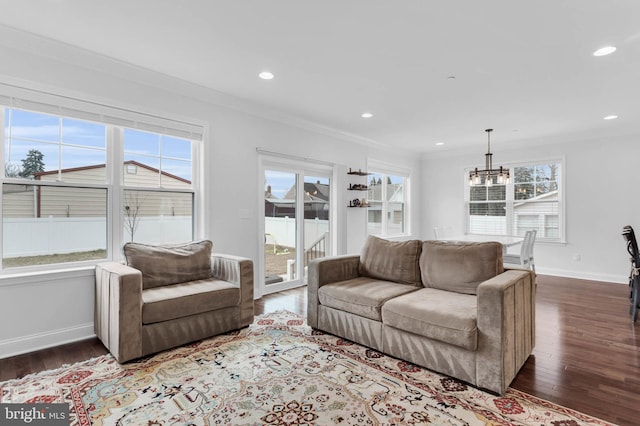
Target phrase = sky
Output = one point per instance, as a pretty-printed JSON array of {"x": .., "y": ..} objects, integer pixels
[
  {"x": 281, "y": 182},
  {"x": 68, "y": 143}
]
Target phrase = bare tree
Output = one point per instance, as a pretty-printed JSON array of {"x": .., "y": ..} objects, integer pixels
[
  {"x": 133, "y": 202},
  {"x": 12, "y": 170}
]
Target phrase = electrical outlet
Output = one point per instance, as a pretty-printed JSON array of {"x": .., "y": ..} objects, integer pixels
[{"x": 576, "y": 257}]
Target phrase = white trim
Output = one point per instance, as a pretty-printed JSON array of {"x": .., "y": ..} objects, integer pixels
[
  {"x": 259, "y": 284},
  {"x": 511, "y": 202},
  {"x": 19, "y": 97},
  {"x": 36, "y": 342},
  {"x": 300, "y": 167},
  {"x": 291, "y": 159},
  {"x": 591, "y": 276},
  {"x": 114, "y": 185},
  {"x": 33, "y": 277},
  {"x": 389, "y": 169},
  {"x": 34, "y": 44}
]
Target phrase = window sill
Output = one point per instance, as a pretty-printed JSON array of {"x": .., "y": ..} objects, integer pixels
[
  {"x": 395, "y": 237},
  {"x": 11, "y": 279}
]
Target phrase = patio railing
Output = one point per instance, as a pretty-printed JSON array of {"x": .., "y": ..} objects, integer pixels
[{"x": 317, "y": 249}]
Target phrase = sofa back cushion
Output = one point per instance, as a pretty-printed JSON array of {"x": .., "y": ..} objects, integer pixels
[
  {"x": 170, "y": 264},
  {"x": 459, "y": 266},
  {"x": 391, "y": 260}
]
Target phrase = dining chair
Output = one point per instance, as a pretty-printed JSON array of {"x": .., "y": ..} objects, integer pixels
[
  {"x": 525, "y": 258},
  {"x": 634, "y": 275},
  {"x": 443, "y": 232}
]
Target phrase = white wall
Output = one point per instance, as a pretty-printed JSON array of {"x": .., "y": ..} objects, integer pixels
[
  {"x": 601, "y": 196},
  {"x": 52, "y": 308}
]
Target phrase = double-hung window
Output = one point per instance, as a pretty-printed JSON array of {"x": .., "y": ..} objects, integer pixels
[
  {"x": 77, "y": 184},
  {"x": 532, "y": 200},
  {"x": 157, "y": 186},
  {"x": 387, "y": 214}
]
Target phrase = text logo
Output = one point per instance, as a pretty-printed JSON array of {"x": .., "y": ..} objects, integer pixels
[{"x": 34, "y": 414}]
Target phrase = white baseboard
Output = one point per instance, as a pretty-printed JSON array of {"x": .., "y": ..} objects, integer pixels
[
  {"x": 591, "y": 276},
  {"x": 35, "y": 342}
]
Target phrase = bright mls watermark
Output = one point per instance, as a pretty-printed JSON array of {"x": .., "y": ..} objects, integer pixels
[{"x": 34, "y": 414}]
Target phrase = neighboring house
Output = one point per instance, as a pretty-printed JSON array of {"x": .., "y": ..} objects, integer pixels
[
  {"x": 395, "y": 196},
  {"x": 27, "y": 201},
  {"x": 539, "y": 213},
  {"x": 316, "y": 202}
]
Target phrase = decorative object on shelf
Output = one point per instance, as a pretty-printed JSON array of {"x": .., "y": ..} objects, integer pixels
[
  {"x": 358, "y": 187},
  {"x": 502, "y": 174},
  {"x": 359, "y": 172},
  {"x": 359, "y": 203},
  {"x": 356, "y": 202}
]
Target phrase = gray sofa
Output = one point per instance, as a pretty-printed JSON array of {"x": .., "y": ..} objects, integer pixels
[
  {"x": 449, "y": 307},
  {"x": 166, "y": 296}
]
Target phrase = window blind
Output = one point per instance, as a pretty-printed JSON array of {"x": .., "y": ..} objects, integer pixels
[{"x": 38, "y": 101}]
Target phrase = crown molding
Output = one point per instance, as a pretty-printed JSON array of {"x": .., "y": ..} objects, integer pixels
[{"x": 40, "y": 46}]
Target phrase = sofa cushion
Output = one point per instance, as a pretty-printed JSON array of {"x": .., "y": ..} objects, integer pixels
[
  {"x": 459, "y": 266},
  {"x": 361, "y": 296},
  {"x": 396, "y": 261},
  {"x": 184, "y": 299},
  {"x": 436, "y": 314},
  {"x": 170, "y": 264}
]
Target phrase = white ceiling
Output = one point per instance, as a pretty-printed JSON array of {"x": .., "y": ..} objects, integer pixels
[{"x": 524, "y": 68}]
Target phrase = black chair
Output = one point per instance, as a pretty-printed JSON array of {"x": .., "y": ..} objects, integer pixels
[{"x": 634, "y": 277}]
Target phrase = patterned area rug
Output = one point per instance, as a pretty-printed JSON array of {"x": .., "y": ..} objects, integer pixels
[{"x": 276, "y": 372}]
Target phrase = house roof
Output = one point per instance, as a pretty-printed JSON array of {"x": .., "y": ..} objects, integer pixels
[
  {"x": 547, "y": 196},
  {"x": 395, "y": 189},
  {"x": 313, "y": 192},
  {"x": 38, "y": 175}
]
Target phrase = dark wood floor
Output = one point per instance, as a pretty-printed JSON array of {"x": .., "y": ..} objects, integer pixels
[{"x": 587, "y": 354}]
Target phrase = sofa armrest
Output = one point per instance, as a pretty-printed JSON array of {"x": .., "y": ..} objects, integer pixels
[
  {"x": 118, "y": 309},
  {"x": 506, "y": 327},
  {"x": 327, "y": 270},
  {"x": 239, "y": 271}
]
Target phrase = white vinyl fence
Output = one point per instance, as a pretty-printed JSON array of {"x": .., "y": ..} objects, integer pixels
[
  {"x": 57, "y": 235},
  {"x": 283, "y": 230}
]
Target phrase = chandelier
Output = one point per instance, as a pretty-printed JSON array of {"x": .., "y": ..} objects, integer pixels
[{"x": 489, "y": 173}]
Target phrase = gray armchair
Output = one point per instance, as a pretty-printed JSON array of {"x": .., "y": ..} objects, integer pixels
[{"x": 166, "y": 296}]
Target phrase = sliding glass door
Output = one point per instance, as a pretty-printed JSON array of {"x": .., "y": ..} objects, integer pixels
[
  {"x": 281, "y": 224},
  {"x": 297, "y": 206}
]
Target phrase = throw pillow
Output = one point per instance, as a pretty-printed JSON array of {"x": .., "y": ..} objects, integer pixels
[
  {"x": 459, "y": 267},
  {"x": 170, "y": 264},
  {"x": 396, "y": 261}
]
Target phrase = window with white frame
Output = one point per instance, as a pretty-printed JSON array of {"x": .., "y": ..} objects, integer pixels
[
  {"x": 76, "y": 182},
  {"x": 388, "y": 201},
  {"x": 532, "y": 200}
]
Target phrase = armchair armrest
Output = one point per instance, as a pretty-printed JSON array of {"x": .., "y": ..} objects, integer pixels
[
  {"x": 506, "y": 327},
  {"x": 239, "y": 271},
  {"x": 118, "y": 309},
  {"x": 324, "y": 271}
]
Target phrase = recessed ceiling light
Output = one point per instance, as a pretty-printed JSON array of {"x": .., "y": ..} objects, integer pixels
[
  {"x": 366, "y": 115},
  {"x": 266, "y": 75},
  {"x": 439, "y": 143},
  {"x": 607, "y": 50},
  {"x": 610, "y": 117}
]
